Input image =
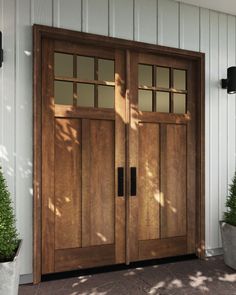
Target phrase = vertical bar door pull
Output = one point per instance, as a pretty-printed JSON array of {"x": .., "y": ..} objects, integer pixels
[
  {"x": 120, "y": 181},
  {"x": 133, "y": 181}
]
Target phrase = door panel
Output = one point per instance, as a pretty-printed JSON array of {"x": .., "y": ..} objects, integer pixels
[
  {"x": 148, "y": 181},
  {"x": 98, "y": 181},
  {"x": 68, "y": 197},
  {"x": 173, "y": 181}
]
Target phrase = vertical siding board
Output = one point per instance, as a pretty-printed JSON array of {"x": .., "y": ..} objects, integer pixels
[
  {"x": 214, "y": 126},
  {"x": 7, "y": 144},
  {"x": 41, "y": 12},
  {"x": 24, "y": 140},
  {"x": 146, "y": 21},
  {"x": 189, "y": 27},
  {"x": 95, "y": 16},
  {"x": 231, "y": 100},
  {"x": 168, "y": 23},
  {"x": 205, "y": 47},
  {"x": 121, "y": 19},
  {"x": 67, "y": 14},
  {"x": 223, "y": 109}
]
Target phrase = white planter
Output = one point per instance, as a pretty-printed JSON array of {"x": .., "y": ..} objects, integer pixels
[
  {"x": 9, "y": 275},
  {"x": 228, "y": 233}
]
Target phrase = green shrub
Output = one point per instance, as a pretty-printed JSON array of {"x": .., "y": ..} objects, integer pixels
[
  {"x": 230, "y": 215},
  {"x": 8, "y": 234}
]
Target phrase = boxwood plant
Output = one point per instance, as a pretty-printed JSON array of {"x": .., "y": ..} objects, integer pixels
[
  {"x": 8, "y": 234},
  {"x": 230, "y": 215}
]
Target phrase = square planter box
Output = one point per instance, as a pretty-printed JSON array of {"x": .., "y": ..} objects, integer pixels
[
  {"x": 228, "y": 233},
  {"x": 9, "y": 275}
]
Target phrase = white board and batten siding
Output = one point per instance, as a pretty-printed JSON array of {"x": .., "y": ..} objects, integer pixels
[{"x": 163, "y": 22}]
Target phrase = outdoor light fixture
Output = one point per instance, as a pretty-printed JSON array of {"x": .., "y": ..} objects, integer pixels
[
  {"x": 230, "y": 82},
  {"x": 1, "y": 50}
]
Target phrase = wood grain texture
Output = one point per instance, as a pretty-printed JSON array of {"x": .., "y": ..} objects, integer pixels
[
  {"x": 162, "y": 248},
  {"x": 120, "y": 137},
  {"x": 48, "y": 202},
  {"x": 69, "y": 259},
  {"x": 133, "y": 202},
  {"x": 62, "y": 111},
  {"x": 68, "y": 183},
  {"x": 173, "y": 180},
  {"x": 37, "y": 182},
  {"x": 132, "y": 100},
  {"x": 111, "y": 42},
  {"x": 98, "y": 182},
  {"x": 193, "y": 155},
  {"x": 149, "y": 182}
]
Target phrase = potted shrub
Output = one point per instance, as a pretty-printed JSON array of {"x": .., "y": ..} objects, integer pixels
[
  {"x": 9, "y": 243},
  {"x": 228, "y": 227}
]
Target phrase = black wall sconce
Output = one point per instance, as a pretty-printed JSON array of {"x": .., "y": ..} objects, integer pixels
[
  {"x": 1, "y": 50},
  {"x": 230, "y": 82}
]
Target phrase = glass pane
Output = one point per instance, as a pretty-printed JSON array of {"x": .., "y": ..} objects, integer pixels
[
  {"x": 163, "y": 77},
  {"x": 85, "y": 94},
  {"x": 63, "y": 65},
  {"x": 106, "y": 70},
  {"x": 163, "y": 102},
  {"x": 180, "y": 79},
  {"x": 145, "y": 100},
  {"x": 106, "y": 97},
  {"x": 85, "y": 68},
  {"x": 145, "y": 75},
  {"x": 179, "y": 103},
  {"x": 63, "y": 92}
]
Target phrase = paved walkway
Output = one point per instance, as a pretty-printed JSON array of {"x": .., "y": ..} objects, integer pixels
[{"x": 190, "y": 277}]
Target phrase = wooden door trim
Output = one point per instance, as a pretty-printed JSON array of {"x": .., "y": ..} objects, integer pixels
[{"x": 40, "y": 32}]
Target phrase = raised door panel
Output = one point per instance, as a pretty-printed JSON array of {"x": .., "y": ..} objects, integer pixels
[
  {"x": 149, "y": 182},
  {"x": 68, "y": 183},
  {"x": 98, "y": 183},
  {"x": 173, "y": 181}
]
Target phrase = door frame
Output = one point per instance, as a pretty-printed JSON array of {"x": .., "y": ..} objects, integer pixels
[{"x": 40, "y": 32}]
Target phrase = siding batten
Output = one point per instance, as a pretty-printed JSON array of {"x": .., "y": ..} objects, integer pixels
[{"x": 214, "y": 125}]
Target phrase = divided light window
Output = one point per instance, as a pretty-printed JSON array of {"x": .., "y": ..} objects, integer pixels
[
  {"x": 162, "y": 89},
  {"x": 84, "y": 81}
]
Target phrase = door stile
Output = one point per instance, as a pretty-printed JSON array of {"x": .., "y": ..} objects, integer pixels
[
  {"x": 48, "y": 204},
  {"x": 132, "y": 154},
  {"x": 127, "y": 184},
  {"x": 120, "y": 119},
  {"x": 191, "y": 160}
]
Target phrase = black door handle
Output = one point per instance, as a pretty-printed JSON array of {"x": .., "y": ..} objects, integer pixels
[
  {"x": 133, "y": 181},
  {"x": 120, "y": 181}
]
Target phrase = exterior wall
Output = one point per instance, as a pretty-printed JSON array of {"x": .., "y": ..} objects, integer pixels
[{"x": 163, "y": 22}]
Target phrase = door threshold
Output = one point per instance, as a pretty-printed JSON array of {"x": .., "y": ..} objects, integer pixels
[{"x": 116, "y": 267}]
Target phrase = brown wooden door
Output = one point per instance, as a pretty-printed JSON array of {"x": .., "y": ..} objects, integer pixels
[
  {"x": 83, "y": 219},
  {"x": 91, "y": 130},
  {"x": 162, "y": 149}
]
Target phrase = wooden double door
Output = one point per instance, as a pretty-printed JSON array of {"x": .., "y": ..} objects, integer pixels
[{"x": 119, "y": 155}]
